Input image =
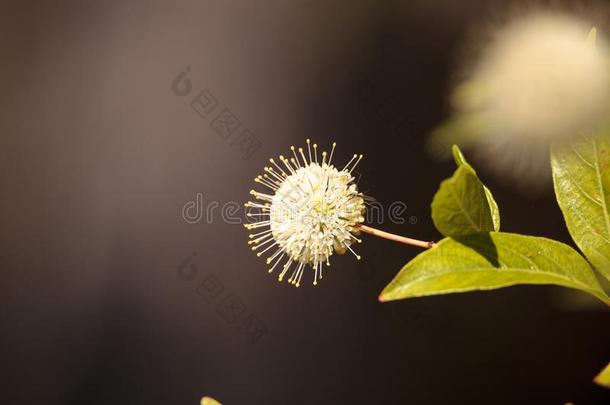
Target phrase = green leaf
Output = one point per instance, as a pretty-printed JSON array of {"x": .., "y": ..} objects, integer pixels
[
  {"x": 581, "y": 177},
  {"x": 489, "y": 261},
  {"x": 603, "y": 378},
  {"x": 463, "y": 205}
]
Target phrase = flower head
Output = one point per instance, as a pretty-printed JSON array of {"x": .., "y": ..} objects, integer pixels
[{"x": 313, "y": 210}]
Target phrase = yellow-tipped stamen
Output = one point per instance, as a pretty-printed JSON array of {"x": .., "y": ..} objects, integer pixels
[
  {"x": 262, "y": 181},
  {"x": 355, "y": 238},
  {"x": 295, "y": 156},
  {"x": 261, "y": 196},
  {"x": 272, "y": 180},
  {"x": 255, "y": 235},
  {"x": 287, "y": 164},
  {"x": 309, "y": 149},
  {"x": 355, "y": 254},
  {"x": 300, "y": 274},
  {"x": 295, "y": 163},
  {"x": 257, "y": 224},
  {"x": 303, "y": 156},
  {"x": 274, "y": 255},
  {"x": 273, "y": 173},
  {"x": 276, "y": 263},
  {"x": 257, "y": 214},
  {"x": 278, "y": 167},
  {"x": 266, "y": 249},
  {"x": 258, "y": 240},
  {"x": 285, "y": 269},
  {"x": 357, "y": 161},
  {"x": 256, "y": 205},
  {"x": 331, "y": 153},
  {"x": 348, "y": 163}
]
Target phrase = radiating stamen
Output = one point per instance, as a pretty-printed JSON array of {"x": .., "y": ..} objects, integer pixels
[
  {"x": 257, "y": 205},
  {"x": 266, "y": 181},
  {"x": 279, "y": 168},
  {"x": 300, "y": 274},
  {"x": 355, "y": 238},
  {"x": 287, "y": 164},
  {"x": 295, "y": 156},
  {"x": 276, "y": 263},
  {"x": 331, "y": 153},
  {"x": 257, "y": 224},
  {"x": 261, "y": 196},
  {"x": 309, "y": 149},
  {"x": 262, "y": 181},
  {"x": 273, "y": 173},
  {"x": 315, "y": 152},
  {"x": 292, "y": 278},
  {"x": 348, "y": 163},
  {"x": 259, "y": 254},
  {"x": 357, "y": 161},
  {"x": 254, "y": 235},
  {"x": 286, "y": 267},
  {"x": 256, "y": 241},
  {"x": 271, "y": 180},
  {"x": 303, "y": 156},
  {"x": 258, "y": 214},
  {"x": 351, "y": 250},
  {"x": 274, "y": 255}
]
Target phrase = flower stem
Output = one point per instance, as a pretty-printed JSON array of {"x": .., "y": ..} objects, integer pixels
[{"x": 396, "y": 238}]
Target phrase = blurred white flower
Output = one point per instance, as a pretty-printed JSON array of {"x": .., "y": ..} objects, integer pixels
[{"x": 543, "y": 78}]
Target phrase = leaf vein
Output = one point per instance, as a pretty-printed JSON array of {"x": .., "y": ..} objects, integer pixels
[
  {"x": 601, "y": 187},
  {"x": 463, "y": 209},
  {"x": 582, "y": 157},
  {"x": 582, "y": 191}
]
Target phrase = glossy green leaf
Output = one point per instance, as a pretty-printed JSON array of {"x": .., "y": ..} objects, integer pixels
[
  {"x": 603, "y": 378},
  {"x": 581, "y": 177},
  {"x": 463, "y": 205},
  {"x": 489, "y": 261}
]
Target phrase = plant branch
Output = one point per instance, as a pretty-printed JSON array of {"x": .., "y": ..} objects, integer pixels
[{"x": 396, "y": 238}]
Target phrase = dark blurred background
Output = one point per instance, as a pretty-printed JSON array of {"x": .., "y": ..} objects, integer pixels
[{"x": 108, "y": 296}]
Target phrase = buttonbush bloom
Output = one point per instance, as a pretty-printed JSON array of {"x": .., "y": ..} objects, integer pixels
[{"x": 310, "y": 210}]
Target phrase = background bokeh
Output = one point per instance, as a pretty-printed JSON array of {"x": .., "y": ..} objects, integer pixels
[{"x": 99, "y": 156}]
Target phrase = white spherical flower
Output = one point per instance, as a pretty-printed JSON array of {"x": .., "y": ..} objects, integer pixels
[{"x": 314, "y": 210}]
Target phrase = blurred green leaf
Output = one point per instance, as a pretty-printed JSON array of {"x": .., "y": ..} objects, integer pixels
[
  {"x": 603, "y": 378},
  {"x": 492, "y": 260},
  {"x": 581, "y": 177},
  {"x": 463, "y": 205},
  {"x": 209, "y": 401}
]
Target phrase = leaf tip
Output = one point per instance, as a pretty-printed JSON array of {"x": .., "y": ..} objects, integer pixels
[
  {"x": 603, "y": 378},
  {"x": 458, "y": 156},
  {"x": 592, "y": 36}
]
